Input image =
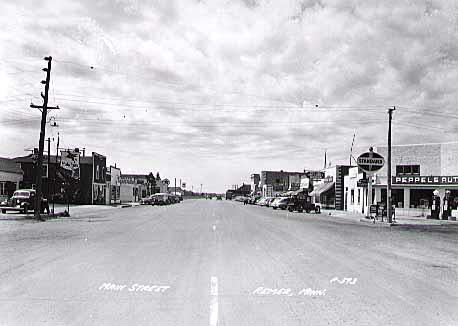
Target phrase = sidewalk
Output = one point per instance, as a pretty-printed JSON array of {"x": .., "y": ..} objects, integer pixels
[
  {"x": 399, "y": 220},
  {"x": 75, "y": 211}
]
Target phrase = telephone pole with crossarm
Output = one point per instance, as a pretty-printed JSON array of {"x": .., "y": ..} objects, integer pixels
[{"x": 44, "y": 111}]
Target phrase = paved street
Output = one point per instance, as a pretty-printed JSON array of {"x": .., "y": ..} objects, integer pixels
[{"x": 222, "y": 263}]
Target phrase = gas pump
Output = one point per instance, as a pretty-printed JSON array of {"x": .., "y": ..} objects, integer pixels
[
  {"x": 447, "y": 207},
  {"x": 436, "y": 205}
]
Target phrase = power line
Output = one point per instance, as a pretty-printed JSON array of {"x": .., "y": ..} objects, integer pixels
[
  {"x": 214, "y": 123},
  {"x": 223, "y": 107},
  {"x": 430, "y": 113}
]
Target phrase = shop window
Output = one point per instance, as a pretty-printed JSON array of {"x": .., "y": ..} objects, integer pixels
[
  {"x": 421, "y": 198},
  {"x": 407, "y": 169},
  {"x": 2, "y": 189},
  {"x": 352, "y": 196},
  {"x": 359, "y": 196},
  {"x": 397, "y": 197}
]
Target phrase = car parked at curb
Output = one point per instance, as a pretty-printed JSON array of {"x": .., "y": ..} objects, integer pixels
[
  {"x": 23, "y": 200},
  {"x": 280, "y": 202},
  {"x": 161, "y": 199},
  {"x": 147, "y": 200}
]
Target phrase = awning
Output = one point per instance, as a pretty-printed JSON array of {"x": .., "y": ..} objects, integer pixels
[{"x": 322, "y": 188}]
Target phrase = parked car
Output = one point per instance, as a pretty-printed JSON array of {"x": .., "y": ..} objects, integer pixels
[
  {"x": 23, "y": 201},
  {"x": 269, "y": 201},
  {"x": 302, "y": 202},
  {"x": 147, "y": 200},
  {"x": 261, "y": 201},
  {"x": 161, "y": 199},
  {"x": 280, "y": 202},
  {"x": 254, "y": 199}
]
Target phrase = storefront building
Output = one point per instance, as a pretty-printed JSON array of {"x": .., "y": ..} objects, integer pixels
[
  {"x": 355, "y": 191},
  {"x": 255, "y": 180},
  {"x": 273, "y": 183},
  {"x": 10, "y": 177},
  {"x": 113, "y": 183},
  {"x": 329, "y": 191},
  {"x": 89, "y": 188},
  {"x": 417, "y": 171},
  {"x": 99, "y": 187}
]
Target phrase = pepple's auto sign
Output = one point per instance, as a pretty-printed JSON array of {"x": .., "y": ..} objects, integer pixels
[{"x": 425, "y": 180}]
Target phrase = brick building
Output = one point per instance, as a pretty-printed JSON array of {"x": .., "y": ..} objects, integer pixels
[
  {"x": 90, "y": 188},
  {"x": 276, "y": 182}
]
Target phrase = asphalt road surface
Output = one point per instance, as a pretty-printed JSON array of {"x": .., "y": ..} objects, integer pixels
[{"x": 205, "y": 262}]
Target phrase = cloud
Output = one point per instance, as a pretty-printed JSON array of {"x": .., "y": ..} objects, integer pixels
[{"x": 222, "y": 83}]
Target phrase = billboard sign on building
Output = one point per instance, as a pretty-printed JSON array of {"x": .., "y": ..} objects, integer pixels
[
  {"x": 315, "y": 175},
  {"x": 70, "y": 161},
  {"x": 305, "y": 183}
]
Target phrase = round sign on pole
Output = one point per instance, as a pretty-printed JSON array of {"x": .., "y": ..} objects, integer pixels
[{"x": 370, "y": 161}]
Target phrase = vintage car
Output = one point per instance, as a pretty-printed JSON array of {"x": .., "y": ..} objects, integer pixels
[
  {"x": 302, "y": 202},
  {"x": 161, "y": 199},
  {"x": 280, "y": 202},
  {"x": 147, "y": 200},
  {"x": 23, "y": 201}
]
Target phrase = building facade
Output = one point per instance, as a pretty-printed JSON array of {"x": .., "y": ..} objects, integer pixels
[
  {"x": 329, "y": 192},
  {"x": 273, "y": 183},
  {"x": 113, "y": 185},
  {"x": 255, "y": 181},
  {"x": 417, "y": 171},
  {"x": 99, "y": 187},
  {"x": 355, "y": 194},
  {"x": 11, "y": 176},
  {"x": 90, "y": 188}
]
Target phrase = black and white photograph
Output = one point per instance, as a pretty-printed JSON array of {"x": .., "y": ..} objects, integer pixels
[{"x": 229, "y": 162}]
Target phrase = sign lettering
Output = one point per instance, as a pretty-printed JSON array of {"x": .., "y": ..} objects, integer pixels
[
  {"x": 424, "y": 180},
  {"x": 370, "y": 161}
]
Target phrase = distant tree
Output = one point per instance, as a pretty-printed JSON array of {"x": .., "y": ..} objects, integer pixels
[{"x": 166, "y": 181}]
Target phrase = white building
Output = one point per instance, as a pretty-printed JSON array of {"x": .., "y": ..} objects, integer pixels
[
  {"x": 417, "y": 171},
  {"x": 113, "y": 185}
]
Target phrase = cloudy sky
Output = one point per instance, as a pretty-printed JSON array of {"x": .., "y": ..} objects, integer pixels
[{"x": 211, "y": 91}]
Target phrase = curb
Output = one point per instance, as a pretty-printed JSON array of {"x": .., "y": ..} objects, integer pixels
[{"x": 382, "y": 224}]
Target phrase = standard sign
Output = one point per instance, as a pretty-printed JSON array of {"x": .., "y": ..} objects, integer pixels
[{"x": 370, "y": 161}]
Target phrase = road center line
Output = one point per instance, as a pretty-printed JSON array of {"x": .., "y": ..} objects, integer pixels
[{"x": 214, "y": 301}]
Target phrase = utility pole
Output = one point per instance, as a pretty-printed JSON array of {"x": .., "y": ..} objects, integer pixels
[
  {"x": 388, "y": 188},
  {"x": 351, "y": 150},
  {"x": 44, "y": 110},
  {"x": 175, "y": 186},
  {"x": 55, "y": 172},
  {"x": 49, "y": 166}
]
